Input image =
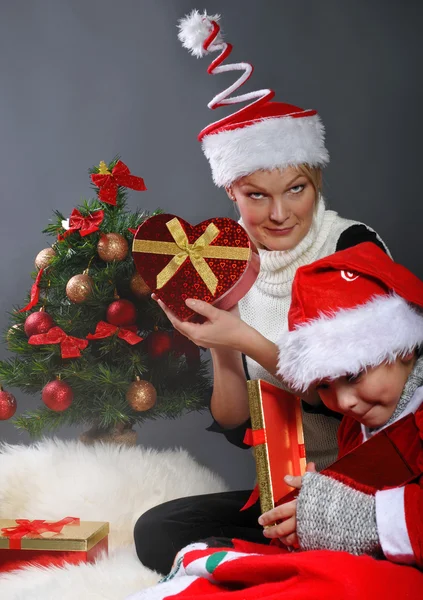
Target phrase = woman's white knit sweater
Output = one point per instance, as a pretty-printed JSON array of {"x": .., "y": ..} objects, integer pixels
[{"x": 266, "y": 306}]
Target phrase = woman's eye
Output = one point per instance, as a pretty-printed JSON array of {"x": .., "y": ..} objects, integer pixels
[
  {"x": 256, "y": 196},
  {"x": 297, "y": 189}
]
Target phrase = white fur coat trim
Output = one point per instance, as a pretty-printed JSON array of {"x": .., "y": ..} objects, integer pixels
[
  {"x": 268, "y": 144},
  {"x": 349, "y": 341}
]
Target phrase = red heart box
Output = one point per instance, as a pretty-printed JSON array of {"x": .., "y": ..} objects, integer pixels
[{"x": 213, "y": 261}]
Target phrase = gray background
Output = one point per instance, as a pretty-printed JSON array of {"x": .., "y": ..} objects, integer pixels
[{"x": 83, "y": 80}]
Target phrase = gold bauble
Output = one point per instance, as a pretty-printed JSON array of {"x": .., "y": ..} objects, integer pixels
[
  {"x": 141, "y": 395},
  {"x": 44, "y": 258},
  {"x": 112, "y": 246},
  {"x": 79, "y": 288},
  {"x": 138, "y": 286}
]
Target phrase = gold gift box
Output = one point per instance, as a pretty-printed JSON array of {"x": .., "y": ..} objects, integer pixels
[{"x": 72, "y": 538}]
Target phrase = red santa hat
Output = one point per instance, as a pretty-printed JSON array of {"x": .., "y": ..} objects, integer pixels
[
  {"x": 262, "y": 135},
  {"x": 349, "y": 311}
]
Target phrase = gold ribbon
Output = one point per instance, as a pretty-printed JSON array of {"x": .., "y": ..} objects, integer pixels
[{"x": 181, "y": 249}]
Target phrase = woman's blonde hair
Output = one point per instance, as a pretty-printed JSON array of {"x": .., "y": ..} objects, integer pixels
[{"x": 314, "y": 175}]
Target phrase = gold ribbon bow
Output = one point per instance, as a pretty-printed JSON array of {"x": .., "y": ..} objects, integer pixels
[{"x": 181, "y": 249}]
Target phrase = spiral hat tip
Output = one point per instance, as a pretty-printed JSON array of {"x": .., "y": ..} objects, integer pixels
[
  {"x": 260, "y": 135},
  {"x": 194, "y": 30}
]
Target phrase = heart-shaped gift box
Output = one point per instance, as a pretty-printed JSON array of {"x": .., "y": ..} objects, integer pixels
[{"x": 213, "y": 261}]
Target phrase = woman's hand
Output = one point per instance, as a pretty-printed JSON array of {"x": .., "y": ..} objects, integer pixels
[
  {"x": 286, "y": 531},
  {"x": 222, "y": 328}
]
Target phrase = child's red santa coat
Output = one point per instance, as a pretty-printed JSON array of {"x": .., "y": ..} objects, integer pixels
[{"x": 399, "y": 511}]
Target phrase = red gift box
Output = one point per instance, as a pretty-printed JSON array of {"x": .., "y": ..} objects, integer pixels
[
  {"x": 214, "y": 261},
  {"x": 46, "y": 543},
  {"x": 278, "y": 440}
]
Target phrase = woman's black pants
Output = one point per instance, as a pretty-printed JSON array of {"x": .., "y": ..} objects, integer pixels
[{"x": 163, "y": 530}]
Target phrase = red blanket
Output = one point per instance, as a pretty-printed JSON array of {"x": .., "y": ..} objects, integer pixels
[{"x": 246, "y": 571}]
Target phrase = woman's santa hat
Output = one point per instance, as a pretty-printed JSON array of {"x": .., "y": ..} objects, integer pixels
[
  {"x": 263, "y": 135},
  {"x": 349, "y": 311}
]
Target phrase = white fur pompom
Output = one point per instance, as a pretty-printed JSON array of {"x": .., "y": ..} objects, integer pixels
[{"x": 194, "y": 29}]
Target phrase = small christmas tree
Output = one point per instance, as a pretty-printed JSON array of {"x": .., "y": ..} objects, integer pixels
[{"x": 91, "y": 339}]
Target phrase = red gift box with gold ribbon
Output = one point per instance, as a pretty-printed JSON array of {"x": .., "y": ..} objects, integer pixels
[
  {"x": 213, "y": 261},
  {"x": 25, "y": 541}
]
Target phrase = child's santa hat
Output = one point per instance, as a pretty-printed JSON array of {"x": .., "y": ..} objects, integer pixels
[
  {"x": 349, "y": 311},
  {"x": 262, "y": 135}
]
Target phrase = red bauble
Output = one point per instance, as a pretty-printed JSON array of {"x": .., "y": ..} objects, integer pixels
[
  {"x": 7, "y": 405},
  {"x": 121, "y": 313},
  {"x": 159, "y": 343},
  {"x": 38, "y": 322},
  {"x": 57, "y": 395}
]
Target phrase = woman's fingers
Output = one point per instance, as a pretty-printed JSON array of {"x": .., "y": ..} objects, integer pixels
[
  {"x": 198, "y": 306},
  {"x": 203, "y": 308},
  {"x": 170, "y": 315},
  {"x": 219, "y": 328},
  {"x": 183, "y": 327}
]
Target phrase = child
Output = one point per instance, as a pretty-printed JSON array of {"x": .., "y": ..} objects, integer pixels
[{"x": 355, "y": 332}]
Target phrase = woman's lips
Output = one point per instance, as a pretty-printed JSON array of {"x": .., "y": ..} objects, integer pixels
[{"x": 281, "y": 232}]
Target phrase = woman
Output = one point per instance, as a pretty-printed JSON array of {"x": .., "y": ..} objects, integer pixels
[{"x": 268, "y": 156}]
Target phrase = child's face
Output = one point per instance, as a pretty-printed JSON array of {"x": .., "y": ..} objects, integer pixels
[{"x": 371, "y": 396}]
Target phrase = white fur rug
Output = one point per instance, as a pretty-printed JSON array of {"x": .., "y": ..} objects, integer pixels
[
  {"x": 54, "y": 479},
  {"x": 112, "y": 578}
]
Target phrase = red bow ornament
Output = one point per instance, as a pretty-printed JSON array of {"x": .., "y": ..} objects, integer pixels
[
  {"x": 27, "y": 528},
  {"x": 108, "y": 182},
  {"x": 104, "y": 330},
  {"x": 70, "y": 346},
  {"x": 85, "y": 225},
  {"x": 35, "y": 293}
]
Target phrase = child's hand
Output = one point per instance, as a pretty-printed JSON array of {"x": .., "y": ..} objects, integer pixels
[
  {"x": 287, "y": 513},
  {"x": 285, "y": 531}
]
